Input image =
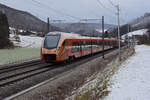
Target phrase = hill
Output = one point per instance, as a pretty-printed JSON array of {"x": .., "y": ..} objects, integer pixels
[
  {"x": 80, "y": 28},
  {"x": 24, "y": 20},
  {"x": 91, "y": 25},
  {"x": 89, "y": 29},
  {"x": 141, "y": 22}
]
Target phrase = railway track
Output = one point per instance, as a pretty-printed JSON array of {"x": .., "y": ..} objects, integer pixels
[
  {"x": 11, "y": 75},
  {"x": 6, "y": 69},
  {"x": 22, "y": 76},
  {"x": 11, "y": 78}
]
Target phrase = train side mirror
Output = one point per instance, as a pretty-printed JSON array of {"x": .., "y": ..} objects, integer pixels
[{"x": 64, "y": 43}]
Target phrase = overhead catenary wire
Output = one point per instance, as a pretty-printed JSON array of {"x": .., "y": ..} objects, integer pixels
[
  {"x": 108, "y": 11},
  {"x": 36, "y": 12},
  {"x": 55, "y": 10},
  {"x": 100, "y": 3},
  {"x": 112, "y": 3},
  {"x": 115, "y": 6}
]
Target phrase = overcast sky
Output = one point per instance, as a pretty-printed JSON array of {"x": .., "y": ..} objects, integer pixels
[{"x": 63, "y": 9}]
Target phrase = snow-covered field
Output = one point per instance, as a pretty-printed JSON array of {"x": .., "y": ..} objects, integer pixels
[
  {"x": 137, "y": 32},
  {"x": 132, "y": 81},
  {"x": 28, "y": 41}
]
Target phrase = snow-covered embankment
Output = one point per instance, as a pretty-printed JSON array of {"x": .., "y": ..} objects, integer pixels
[{"x": 132, "y": 81}]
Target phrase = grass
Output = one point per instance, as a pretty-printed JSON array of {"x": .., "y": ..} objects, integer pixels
[
  {"x": 147, "y": 44},
  {"x": 84, "y": 96},
  {"x": 99, "y": 91},
  {"x": 17, "y": 54}
]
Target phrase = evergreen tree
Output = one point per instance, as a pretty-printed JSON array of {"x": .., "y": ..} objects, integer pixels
[{"x": 4, "y": 31}]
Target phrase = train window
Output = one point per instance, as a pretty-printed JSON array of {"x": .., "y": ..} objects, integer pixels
[
  {"x": 99, "y": 42},
  {"x": 112, "y": 43},
  {"x": 95, "y": 43},
  {"x": 88, "y": 43},
  {"x": 51, "y": 41},
  {"x": 104, "y": 43},
  {"x": 108, "y": 43},
  {"x": 74, "y": 43},
  {"x": 79, "y": 43},
  {"x": 75, "y": 47},
  {"x": 84, "y": 43}
]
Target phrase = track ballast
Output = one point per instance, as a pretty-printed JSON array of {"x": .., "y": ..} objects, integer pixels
[{"x": 22, "y": 76}]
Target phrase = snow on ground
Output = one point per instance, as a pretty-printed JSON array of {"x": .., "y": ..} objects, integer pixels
[
  {"x": 138, "y": 32},
  {"x": 132, "y": 82},
  {"x": 100, "y": 30},
  {"x": 28, "y": 41}
]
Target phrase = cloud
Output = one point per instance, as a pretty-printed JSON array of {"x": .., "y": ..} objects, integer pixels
[{"x": 130, "y": 9}]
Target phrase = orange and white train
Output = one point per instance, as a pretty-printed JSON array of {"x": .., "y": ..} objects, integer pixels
[{"x": 59, "y": 46}]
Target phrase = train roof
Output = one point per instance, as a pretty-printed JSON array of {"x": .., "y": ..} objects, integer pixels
[{"x": 74, "y": 36}]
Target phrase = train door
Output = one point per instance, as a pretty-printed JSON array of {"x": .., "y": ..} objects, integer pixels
[{"x": 81, "y": 48}]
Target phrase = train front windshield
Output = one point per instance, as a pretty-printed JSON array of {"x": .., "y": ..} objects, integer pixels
[{"x": 51, "y": 41}]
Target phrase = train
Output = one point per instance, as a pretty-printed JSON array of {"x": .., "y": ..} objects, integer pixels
[{"x": 61, "y": 47}]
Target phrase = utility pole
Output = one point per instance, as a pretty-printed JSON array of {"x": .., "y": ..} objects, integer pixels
[
  {"x": 128, "y": 28},
  {"x": 128, "y": 40},
  {"x": 48, "y": 25},
  {"x": 103, "y": 34},
  {"x": 119, "y": 44}
]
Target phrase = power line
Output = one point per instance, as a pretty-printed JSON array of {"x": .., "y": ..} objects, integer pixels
[
  {"x": 90, "y": 19},
  {"x": 37, "y": 15},
  {"x": 37, "y": 5},
  {"x": 56, "y": 11},
  {"x": 112, "y": 3},
  {"x": 113, "y": 16},
  {"x": 100, "y": 3}
]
